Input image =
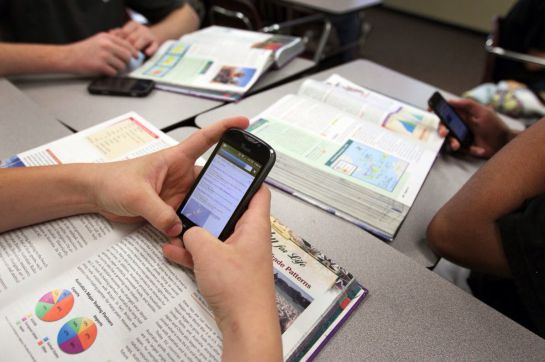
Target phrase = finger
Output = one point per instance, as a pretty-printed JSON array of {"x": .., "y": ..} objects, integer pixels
[
  {"x": 130, "y": 26},
  {"x": 199, "y": 242},
  {"x": 464, "y": 104},
  {"x": 259, "y": 208},
  {"x": 202, "y": 140},
  {"x": 124, "y": 44},
  {"x": 256, "y": 221},
  {"x": 443, "y": 131},
  {"x": 477, "y": 151},
  {"x": 122, "y": 54},
  {"x": 116, "y": 63},
  {"x": 177, "y": 254},
  {"x": 454, "y": 144},
  {"x": 142, "y": 42},
  {"x": 152, "y": 48},
  {"x": 108, "y": 70},
  {"x": 157, "y": 212},
  {"x": 116, "y": 32}
]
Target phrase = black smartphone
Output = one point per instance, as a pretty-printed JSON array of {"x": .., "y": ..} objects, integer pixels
[
  {"x": 120, "y": 86},
  {"x": 451, "y": 119},
  {"x": 233, "y": 174}
]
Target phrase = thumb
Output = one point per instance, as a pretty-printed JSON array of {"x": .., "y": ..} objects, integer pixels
[
  {"x": 158, "y": 213},
  {"x": 199, "y": 241},
  {"x": 478, "y": 151}
]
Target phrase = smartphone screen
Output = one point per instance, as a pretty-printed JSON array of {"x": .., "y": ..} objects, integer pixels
[
  {"x": 221, "y": 189},
  {"x": 450, "y": 118}
]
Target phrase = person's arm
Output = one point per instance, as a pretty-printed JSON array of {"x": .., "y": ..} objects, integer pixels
[
  {"x": 100, "y": 54},
  {"x": 148, "y": 187},
  {"x": 236, "y": 279},
  {"x": 465, "y": 229},
  {"x": 180, "y": 21},
  {"x": 489, "y": 131}
]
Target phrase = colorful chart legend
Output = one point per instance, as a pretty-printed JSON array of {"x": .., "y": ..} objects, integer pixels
[
  {"x": 77, "y": 335},
  {"x": 54, "y": 305}
]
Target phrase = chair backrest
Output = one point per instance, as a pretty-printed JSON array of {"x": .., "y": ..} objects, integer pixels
[
  {"x": 506, "y": 68},
  {"x": 515, "y": 40},
  {"x": 235, "y": 13}
]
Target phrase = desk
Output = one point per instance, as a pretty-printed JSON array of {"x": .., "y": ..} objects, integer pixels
[
  {"x": 410, "y": 313},
  {"x": 23, "y": 125},
  {"x": 68, "y": 100},
  {"x": 181, "y": 133},
  {"x": 447, "y": 175}
]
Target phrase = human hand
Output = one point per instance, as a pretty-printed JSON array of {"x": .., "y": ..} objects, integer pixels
[
  {"x": 152, "y": 187},
  {"x": 139, "y": 36},
  {"x": 490, "y": 133},
  {"x": 102, "y": 53},
  {"x": 235, "y": 277}
]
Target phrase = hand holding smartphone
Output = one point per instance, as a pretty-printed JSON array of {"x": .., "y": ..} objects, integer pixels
[
  {"x": 233, "y": 174},
  {"x": 451, "y": 119}
]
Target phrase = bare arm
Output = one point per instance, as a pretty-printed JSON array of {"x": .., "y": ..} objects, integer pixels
[
  {"x": 148, "y": 39},
  {"x": 31, "y": 58},
  {"x": 465, "y": 229},
  {"x": 181, "y": 21},
  {"x": 148, "y": 187},
  {"x": 30, "y": 195},
  {"x": 100, "y": 54}
]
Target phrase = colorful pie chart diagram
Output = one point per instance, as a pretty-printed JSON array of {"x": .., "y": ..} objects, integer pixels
[
  {"x": 54, "y": 305},
  {"x": 77, "y": 335}
]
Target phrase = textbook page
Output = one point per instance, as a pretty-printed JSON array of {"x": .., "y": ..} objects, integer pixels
[
  {"x": 30, "y": 255},
  {"x": 354, "y": 166},
  {"x": 343, "y": 146},
  {"x": 127, "y": 303},
  {"x": 122, "y": 303},
  {"x": 124, "y": 137},
  {"x": 377, "y": 108},
  {"x": 216, "y": 59},
  {"x": 305, "y": 288}
]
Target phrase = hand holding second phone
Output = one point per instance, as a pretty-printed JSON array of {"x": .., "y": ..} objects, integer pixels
[{"x": 489, "y": 131}]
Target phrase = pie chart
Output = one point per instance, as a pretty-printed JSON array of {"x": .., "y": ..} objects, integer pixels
[
  {"x": 54, "y": 305},
  {"x": 77, "y": 335}
]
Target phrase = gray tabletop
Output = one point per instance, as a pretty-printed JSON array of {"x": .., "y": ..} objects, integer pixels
[
  {"x": 410, "y": 313},
  {"x": 181, "y": 133},
  {"x": 23, "y": 125},
  {"x": 273, "y": 76},
  {"x": 336, "y": 7},
  {"x": 68, "y": 100},
  {"x": 446, "y": 176}
]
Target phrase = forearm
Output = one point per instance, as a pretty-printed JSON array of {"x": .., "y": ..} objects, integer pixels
[
  {"x": 32, "y": 58},
  {"x": 31, "y": 195},
  {"x": 255, "y": 336},
  {"x": 465, "y": 230},
  {"x": 181, "y": 21}
]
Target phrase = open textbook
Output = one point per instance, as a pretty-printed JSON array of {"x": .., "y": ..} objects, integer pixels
[
  {"x": 85, "y": 289},
  {"x": 217, "y": 62},
  {"x": 351, "y": 151}
]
